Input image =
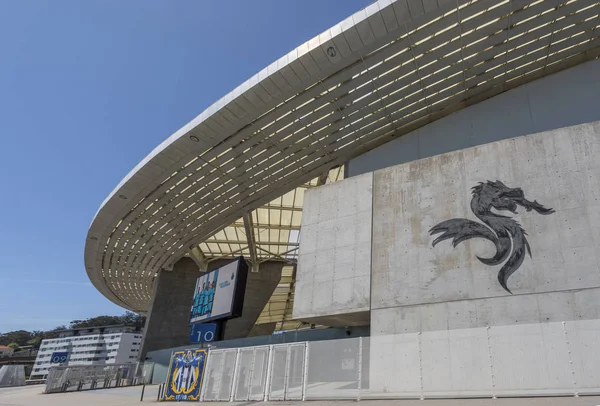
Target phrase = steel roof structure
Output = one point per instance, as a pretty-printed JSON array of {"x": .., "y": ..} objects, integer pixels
[{"x": 234, "y": 170}]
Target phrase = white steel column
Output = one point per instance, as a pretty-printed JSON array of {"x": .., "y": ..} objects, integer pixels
[
  {"x": 235, "y": 373},
  {"x": 204, "y": 375},
  {"x": 360, "y": 348},
  {"x": 269, "y": 370},
  {"x": 286, "y": 374},
  {"x": 251, "y": 378},
  {"x": 305, "y": 372}
]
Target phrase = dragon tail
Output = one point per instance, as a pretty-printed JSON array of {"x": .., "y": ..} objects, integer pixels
[
  {"x": 460, "y": 230},
  {"x": 503, "y": 246},
  {"x": 520, "y": 248}
]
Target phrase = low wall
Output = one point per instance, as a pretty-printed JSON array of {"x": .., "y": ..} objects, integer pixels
[
  {"x": 540, "y": 359},
  {"x": 161, "y": 358}
]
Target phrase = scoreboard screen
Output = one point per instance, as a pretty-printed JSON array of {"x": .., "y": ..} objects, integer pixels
[{"x": 219, "y": 294}]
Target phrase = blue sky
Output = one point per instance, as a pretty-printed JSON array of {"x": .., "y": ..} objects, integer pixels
[{"x": 87, "y": 89}]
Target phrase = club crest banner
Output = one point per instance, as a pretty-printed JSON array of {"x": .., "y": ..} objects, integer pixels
[{"x": 186, "y": 371}]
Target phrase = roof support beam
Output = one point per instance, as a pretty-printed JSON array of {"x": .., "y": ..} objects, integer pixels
[
  {"x": 280, "y": 207},
  {"x": 251, "y": 243},
  {"x": 289, "y": 302},
  {"x": 269, "y": 226},
  {"x": 323, "y": 178},
  {"x": 278, "y": 243},
  {"x": 199, "y": 258},
  {"x": 281, "y": 257}
]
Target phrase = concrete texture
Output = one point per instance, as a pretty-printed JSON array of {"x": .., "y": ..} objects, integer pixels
[
  {"x": 260, "y": 330},
  {"x": 449, "y": 322},
  {"x": 259, "y": 288},
  {"x": 417, "y": 287},
  {"x": 563, "y": 99},
  {"x": 538, "y": 359},
  {"x": 168, "y": 316},
  {"x": 441, "y": 323},
  {"x": 332, "y": 282}
]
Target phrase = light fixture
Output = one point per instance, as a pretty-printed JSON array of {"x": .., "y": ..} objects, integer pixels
[
  {"x": 194, "y": 138},
  {"x": 123, "y": 197}
]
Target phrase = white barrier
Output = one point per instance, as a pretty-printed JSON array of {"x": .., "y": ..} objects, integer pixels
[{"x": 541, "y": 359}]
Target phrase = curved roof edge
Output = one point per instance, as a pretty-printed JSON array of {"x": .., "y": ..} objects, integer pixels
[
  {"x": 358, "y": 34},
  {"x": 565, "y": 35},
  {"x": 317, "y": 47}
]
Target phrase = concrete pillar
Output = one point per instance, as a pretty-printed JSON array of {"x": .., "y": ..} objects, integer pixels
[
  {"x": 259, "y": 288},
  {"x": 168, "y": 317},
  {"x": 168, "y": 326},
  {"x": 265, "y": 329}
]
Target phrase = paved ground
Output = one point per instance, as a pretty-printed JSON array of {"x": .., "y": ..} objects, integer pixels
[{"x": 32, "y": 396}]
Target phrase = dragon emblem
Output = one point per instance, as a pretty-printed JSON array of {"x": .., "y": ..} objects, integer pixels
[{"x": 505, "y": 233}]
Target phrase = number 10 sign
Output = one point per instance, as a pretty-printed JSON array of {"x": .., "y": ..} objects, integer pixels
[{"x": 203, "y": 332}]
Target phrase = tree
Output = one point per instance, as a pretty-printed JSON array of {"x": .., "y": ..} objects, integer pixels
[
  {"x": 35, "y": 341},
  {"x": 96, "y": 322},
  {"x": 128, "y": 318},
  {"x": 133, "y": 319},
  {"x": 14, "y": 346},
  {"x": 54, "y": 332},
  {"x": 20, "y": 337}
]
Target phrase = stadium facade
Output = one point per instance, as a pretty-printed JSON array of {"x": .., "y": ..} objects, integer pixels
[{"x": 460, "y": 140}]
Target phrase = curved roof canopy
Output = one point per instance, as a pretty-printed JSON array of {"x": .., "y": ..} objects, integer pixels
[{"x": 384, "y": 71}]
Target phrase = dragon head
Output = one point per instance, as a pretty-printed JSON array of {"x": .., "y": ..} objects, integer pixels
[{"x": 501, "y": 197}]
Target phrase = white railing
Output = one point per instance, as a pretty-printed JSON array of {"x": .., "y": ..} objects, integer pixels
[
  {"x": 541, "y": 359},
  {"x": 86, "y": 377}
]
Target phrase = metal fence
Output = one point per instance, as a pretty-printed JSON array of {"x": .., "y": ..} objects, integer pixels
[
  {"x": 542, "y": 359},
  {"x": 86, "y": 377},
  {"x": 12, "y": 375}
]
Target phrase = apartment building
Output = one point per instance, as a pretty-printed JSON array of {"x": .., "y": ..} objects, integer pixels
[{"x": 88, "y": 346}]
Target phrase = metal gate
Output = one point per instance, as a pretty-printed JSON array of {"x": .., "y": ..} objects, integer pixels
[{"x": 275, "y": 372}]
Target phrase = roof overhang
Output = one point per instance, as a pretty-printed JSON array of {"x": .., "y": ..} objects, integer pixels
[{"x": 384, "y": 71}]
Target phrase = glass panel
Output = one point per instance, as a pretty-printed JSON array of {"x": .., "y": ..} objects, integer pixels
[
  {"x": 277, "y": 387},
  {"x": 259, "y": 374},
  {"x": 295, "y": 373},
  {"x": 244, "y": 373}
]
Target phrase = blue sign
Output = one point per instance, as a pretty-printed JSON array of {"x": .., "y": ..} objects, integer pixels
[
  {"x": 203, "y": 332},
  {"x": 184, "y": 379},
  {"x": 59, "y": 357}
]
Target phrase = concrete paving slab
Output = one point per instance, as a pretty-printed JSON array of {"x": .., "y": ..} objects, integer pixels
[{"x": 33, "y": 396}]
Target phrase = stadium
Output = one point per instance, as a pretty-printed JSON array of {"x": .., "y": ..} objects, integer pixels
[{"x": 422, "y": 175}]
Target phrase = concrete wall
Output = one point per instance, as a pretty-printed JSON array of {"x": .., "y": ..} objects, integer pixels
[
  {"x": 444, "y": 312},
  {"x": 564, "y": 99},
  {"x": 441, "y": 322},
  {"x": 417, "y": 287},
  {"x": 335, "y": 254},
  {"x": 168, "y": 316},
  {"x": 556, "y": 358}
]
